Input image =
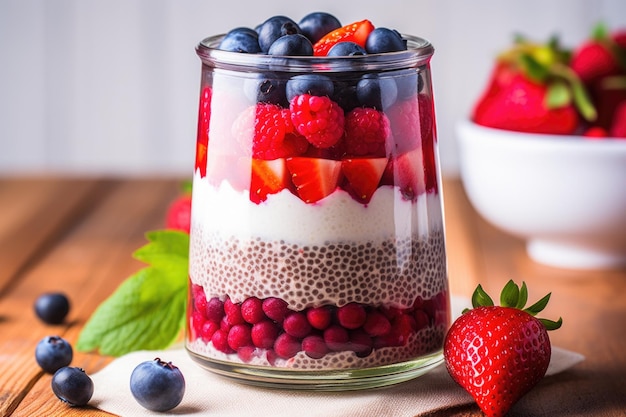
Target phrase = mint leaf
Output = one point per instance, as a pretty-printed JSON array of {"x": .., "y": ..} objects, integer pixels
[{"x": 147, "y": 311}]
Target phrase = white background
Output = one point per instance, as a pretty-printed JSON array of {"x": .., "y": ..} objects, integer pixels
[{"x": 111, "y": 86}]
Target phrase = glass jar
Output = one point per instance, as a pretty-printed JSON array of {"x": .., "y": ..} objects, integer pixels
[{"x": 317, "y": 254}]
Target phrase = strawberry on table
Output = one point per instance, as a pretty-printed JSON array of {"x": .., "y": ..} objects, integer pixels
[
  {"x": 498, "y": 353},
  {"x": 356, "y": 32},
  {"x": 178, "y": 216}
]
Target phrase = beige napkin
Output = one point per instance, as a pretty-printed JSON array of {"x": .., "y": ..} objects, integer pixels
[{"x": 209, "y": 394}]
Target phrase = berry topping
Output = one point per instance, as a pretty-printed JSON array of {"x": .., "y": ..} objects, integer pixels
[
  {"x": 269, "y": 128},
  {"x": 242, "y": 40},
  {"x": 314, "y": 178},
  {"x": 291, "y": 45},
  {"x": 319, "y": 119},
  {"x": 274, "y": 28},
  {"x": 367, "y": 132},
  {"x": 356, "y": 32},
  {"x": 317, "y": 24},
  {"x": 382, "y": 40},
  {"x": 346, "y": 49}
]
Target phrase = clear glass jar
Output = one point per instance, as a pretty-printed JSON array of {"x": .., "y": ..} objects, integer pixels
[{"x": 317, "y": 255}]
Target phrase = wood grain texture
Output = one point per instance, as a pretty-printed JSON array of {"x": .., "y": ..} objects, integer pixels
[{"x": 78, "y": 235}]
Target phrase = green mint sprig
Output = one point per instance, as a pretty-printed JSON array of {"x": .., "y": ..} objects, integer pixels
[{"x": 147, "y": 311}]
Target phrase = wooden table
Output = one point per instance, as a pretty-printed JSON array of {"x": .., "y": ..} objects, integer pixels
[{"x": 77, "y": 235}]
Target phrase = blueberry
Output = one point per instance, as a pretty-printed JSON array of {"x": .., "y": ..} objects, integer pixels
[
  {"x": 346, "y": 49},
  {"x": 313, "y": 84},
  {"x": 317, "y": 24},
  {"x": 409, "y": 83},
  {"x": 72, "y": 385},
  {"x": 274, "y": 28},
  {"x": 382, "y": 40},
  {"x": 291, "y": 45},
  {"x": 266, "y": 89},
  {"x": 241, "y": 39},
  {"x": 345, "y": 95},
  {"x": 157, "y": 385},
  {"x": 53, "y": 353},
  {"x": 52, "y": 308},
  {"x": 375, "y": 91}
]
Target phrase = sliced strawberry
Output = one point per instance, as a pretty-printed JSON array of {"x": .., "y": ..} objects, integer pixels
[
  {"x": 356, "y": 32},
  {"x": 363, "y": 175},
  {"x": 267, "y": 177},
  {"x": 407, "y": 172},
  {"x": 314, "y": 178},
  {"x": 227, "y": 168},
  {"x": 204, "y": 116}
]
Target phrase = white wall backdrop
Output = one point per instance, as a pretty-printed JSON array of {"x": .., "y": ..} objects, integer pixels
[{"x": 111, "y": 86}]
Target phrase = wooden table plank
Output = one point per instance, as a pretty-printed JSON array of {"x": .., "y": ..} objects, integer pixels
[{"x": 88, "y": 263}]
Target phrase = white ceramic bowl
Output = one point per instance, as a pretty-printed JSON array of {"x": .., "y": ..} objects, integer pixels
[{"x": 565, "y": 195}]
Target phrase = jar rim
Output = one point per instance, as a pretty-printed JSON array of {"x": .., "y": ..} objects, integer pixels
[{"x": 419, "y": 52}]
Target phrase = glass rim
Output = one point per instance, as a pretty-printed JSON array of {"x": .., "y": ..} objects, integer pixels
[{"x": 419, "y": 51}]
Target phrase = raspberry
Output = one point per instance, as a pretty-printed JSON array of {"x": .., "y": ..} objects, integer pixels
[
  {"x": 252, "y": 310},
  {"x": 239, "y": 336},
  {"x": 319, "y": 119},
  {"x": 286, "y": 346},
  {"x": 351, "y": 316},
  {"x": 314, "y": 346},
  {"x": 376, "y": 324},
  {"x": 297, "y": 325},
  {"x": 275, "y": 309},
  {"x": 319, "y": 317},
  {"x": 367, "y": 132},
  {"x": 404, "y": 116},
  {"x": 264, "y": 334},
  {"x": 267, "y": 130}
]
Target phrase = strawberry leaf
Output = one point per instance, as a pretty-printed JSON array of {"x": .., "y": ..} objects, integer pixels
[
  {"x": 558, "y": 95},
  {"x": 510, "y": 294},
  {"x": 523, "y": 296},
  {"x": 551, "y": 325},
  {"x": 480, "y": 298},
  {"x": 147, "y": 311},
  {"x": 538, "y": 306}
]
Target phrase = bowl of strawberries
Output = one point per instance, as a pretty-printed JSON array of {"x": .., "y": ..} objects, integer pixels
[{"x": 543, "y": 155}]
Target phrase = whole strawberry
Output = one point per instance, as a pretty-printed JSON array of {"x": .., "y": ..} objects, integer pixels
[
  {"x": 498, "y": 353},
  {"x": 178, "y": 215}
]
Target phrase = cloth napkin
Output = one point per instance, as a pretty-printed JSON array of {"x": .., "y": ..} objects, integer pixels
[{"x": 210, "y": 394}]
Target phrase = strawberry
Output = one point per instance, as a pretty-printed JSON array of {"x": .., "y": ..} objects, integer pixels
[
  {"x": 267, "y": 177},
  {"x": 363, "y": 175},
  {"x": 533, "y": 90},
  {"x": 356, "y": 32},
  {"x": 498, "y": 353},
  {"x": 314, "y": 178},
  {"x": 407, "y": 172},
  {"x": 178, "y": 216},
  {"x": 202, "y": 142},
  {"x": 598, "y": 57}
]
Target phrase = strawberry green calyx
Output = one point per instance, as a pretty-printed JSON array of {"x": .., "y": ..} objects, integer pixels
[{"x": 515, "y": 297}]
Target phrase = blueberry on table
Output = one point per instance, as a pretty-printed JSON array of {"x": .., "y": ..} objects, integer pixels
[
  {"x": 313, "y": 84},
  {"x": 53, "y": 353},
  {"x": 157, "y": 385},
  {"x": 244, "y": 40},
  {"x": 382, "y": 40},
  {"x": 274, "y": 28},
  {"x": 52, "y": 308},
  {"x": 346, "y": 49},
  {"x": 317, "y": 24},
  {"x": 291, "y": 45},
  {"x": 72, "y": 386}
]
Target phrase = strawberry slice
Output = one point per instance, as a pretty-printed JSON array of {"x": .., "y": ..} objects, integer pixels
[
  {"x": 356, "y": 32},
  {"x": 363, "y": 175},
  {"x": 314, "y": 178},
  {"x": 267, "y": 177},
  {"x": 407, "y": 172}
]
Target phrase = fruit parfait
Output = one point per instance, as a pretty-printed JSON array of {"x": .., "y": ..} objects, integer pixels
[{"x": 317, "y": 255}]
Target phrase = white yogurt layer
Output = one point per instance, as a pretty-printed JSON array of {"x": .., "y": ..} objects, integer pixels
[{"x": 336, "y": 218}]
